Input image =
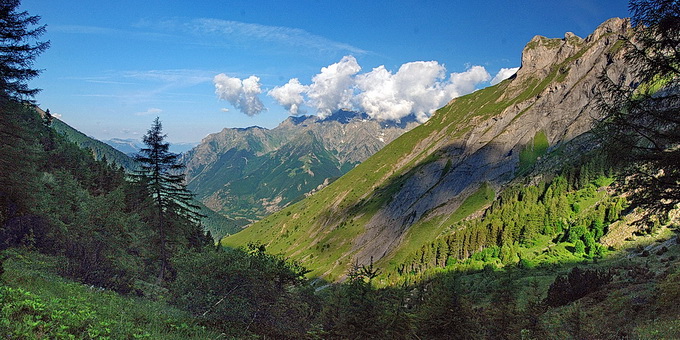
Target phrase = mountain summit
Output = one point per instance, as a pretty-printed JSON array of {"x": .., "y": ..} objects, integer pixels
[
  {"x": 248, "y": 173},
  {"x": 409, "y": 192}
]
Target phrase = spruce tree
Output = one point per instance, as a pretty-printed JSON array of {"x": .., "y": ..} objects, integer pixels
[
  {"x": 176, "y": 218},
  {"x": 17, "y": 51}
]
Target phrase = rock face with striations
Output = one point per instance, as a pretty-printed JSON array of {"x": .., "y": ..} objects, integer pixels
[
  {"x": 475, "y": 143},
  {"x": 562, "y": 77}
]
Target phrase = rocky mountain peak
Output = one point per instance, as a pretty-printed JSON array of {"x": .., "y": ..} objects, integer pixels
[{"x": 541, "y": 53}]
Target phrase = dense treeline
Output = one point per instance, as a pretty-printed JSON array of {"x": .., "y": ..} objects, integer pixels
[
  {"x": 102, "y": 226},
  {"x": 573, "y": 207},
  {"x": 58, "y": 199}
]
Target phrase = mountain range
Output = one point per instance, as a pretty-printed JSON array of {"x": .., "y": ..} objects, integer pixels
[
  {"x": 248, "y": 173},
  {"x": 416, "y": 188},
  {"x": 131, "y": 146}
]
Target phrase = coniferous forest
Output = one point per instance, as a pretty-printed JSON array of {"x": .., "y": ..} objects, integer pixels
[{"x": 90, "y": 250}]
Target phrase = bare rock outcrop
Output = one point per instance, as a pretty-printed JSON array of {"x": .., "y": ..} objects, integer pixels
[{"x": 553, "y": 94}]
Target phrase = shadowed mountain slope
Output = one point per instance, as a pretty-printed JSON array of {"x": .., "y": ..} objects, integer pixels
[{"x": 413, "y": 189}]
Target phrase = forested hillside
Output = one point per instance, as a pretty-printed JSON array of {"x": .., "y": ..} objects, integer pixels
[
  {"x": 565, "y": 232},
  {"x": 100, "y": 150}
]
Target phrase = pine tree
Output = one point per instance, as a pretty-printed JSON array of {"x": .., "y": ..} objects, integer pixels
[
  {"x": 161, "y": 178},
  {"x": 17, "y": 51}
]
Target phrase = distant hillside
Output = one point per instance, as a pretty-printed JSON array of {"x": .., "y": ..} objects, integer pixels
[
  {"x": 99, "y": 149},
  {"x": 132, "y": 146},
  {"x": 417, "y": 188},
  {"x": 250, "y": 173}
]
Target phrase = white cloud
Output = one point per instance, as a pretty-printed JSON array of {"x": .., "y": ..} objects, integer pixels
[
  {"x": 242, "y": 94},
  {"x": 503, "y": 74},
  {"x": 150, "y": 111},
  {"x": 332, "y": 89},
  {"x": 224, "y": 109},
  {"x": 419, "y": 88},
  {"x": 466, "y": 82},
  {"x": 289, "y": 95}
]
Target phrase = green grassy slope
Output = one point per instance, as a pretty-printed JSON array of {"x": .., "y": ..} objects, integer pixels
[
  {"x": 321, "y": 231},
  {"x": 36, "y": 303}
]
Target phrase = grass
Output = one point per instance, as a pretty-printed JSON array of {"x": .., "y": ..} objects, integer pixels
[
  {"x": 530, "y": 154},
  {"x": 36, "y": 303}
]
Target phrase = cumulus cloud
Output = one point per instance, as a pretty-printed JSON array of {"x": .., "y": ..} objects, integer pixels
[
  {"x": 289, "y": 95},
  {"x": 417, "y": 88},
  {"x": 242, "y": 94},
  {"x": 331, "y": 89},
  {"x": 503, "y": 74}
]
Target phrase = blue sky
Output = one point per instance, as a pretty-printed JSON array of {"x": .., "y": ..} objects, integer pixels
[{"x": 205, "y": 65}]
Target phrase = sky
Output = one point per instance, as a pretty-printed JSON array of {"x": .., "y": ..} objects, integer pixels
[{"x": 205, "y": 65}]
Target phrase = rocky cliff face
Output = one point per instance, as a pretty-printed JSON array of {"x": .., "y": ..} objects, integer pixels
[
  {"x": 553, "y": 94},
  {"x": 249, "y": 173},
  {"x": 407, "y": 193}
]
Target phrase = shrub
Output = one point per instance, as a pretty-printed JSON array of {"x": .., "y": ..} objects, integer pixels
[{"x": 577, "y": 284}]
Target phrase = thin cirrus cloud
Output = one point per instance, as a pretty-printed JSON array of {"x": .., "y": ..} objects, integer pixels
[
  {"x": 150, "y": 111},
  {"x": 280, "y": 35},
  {"x": 236, "y": 34}
]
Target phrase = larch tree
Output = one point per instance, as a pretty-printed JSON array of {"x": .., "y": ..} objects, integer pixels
[{"x": 176, "y": 218}]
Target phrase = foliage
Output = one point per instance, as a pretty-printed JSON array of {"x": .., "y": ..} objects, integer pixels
[
  {"x": 176, "y": 217},
  {"x": 640, "y": 122},
  {"x": 526, "y": 225},
  {"x": 443, "y": 313},
  {"x": 577, "y": 284},
  {"x": 17, "y": 51},
  {"x": 244, "y": 291},
  {"x": 36, "y": 303}
]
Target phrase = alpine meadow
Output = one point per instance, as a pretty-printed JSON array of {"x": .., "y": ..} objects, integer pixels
[{"x": 541, "y": 204}]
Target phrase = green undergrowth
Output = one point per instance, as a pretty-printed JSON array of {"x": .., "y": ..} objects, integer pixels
[
  {"x": 532, "y": 152},
  {"x": 428, "y": 229},
  {"x": 35, "y": 303}
]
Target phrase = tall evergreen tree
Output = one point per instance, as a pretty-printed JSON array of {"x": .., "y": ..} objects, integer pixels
[
  {"x": 17, "y": 51},
  {"x": 641, "y": 121},
  {"x": 176, "y": 217}
]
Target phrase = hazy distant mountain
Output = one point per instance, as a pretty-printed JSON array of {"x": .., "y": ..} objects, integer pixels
[
  {"x": 132, "y": 146},
  {"x": 126, "y": 146},
  {"x": 252, "y": 172}
]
